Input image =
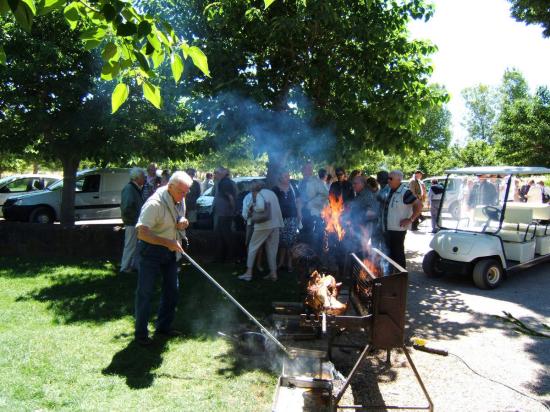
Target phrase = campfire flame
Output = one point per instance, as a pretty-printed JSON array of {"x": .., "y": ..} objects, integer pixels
[
  {"x": 332, "y": 215},
  {"x": 372, "y": 267}
]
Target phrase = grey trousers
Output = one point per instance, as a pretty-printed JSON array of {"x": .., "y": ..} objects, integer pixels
[
  {"x": 128, "y": 255},
  {"x": 271, "y": 239}
]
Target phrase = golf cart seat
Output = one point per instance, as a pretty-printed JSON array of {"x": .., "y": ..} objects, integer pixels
[
  {"x": 518, "y": 215},
  {"x": 542, "y": 237},
  {"x": 519, "y": 244}
]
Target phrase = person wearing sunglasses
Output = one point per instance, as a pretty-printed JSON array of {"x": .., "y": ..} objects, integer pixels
[{"x": 400, "y": 208}]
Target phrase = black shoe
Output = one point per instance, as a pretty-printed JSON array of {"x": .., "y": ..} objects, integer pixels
[
  {"x": 172, "y": 333},
  {"x": 144, "y": 341}
]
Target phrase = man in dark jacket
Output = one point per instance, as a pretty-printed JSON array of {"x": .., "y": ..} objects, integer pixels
[
  {"x": 224, "y": 212},
  {"x": 130, "y": 207},
  {"x": 191, "y": 198},
  {"x": 342, "y": 187}
]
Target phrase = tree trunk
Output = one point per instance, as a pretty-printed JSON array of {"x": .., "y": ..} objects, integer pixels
[
  {"x": 35, "y": 167},
  {"x": 70, "y": 167}
]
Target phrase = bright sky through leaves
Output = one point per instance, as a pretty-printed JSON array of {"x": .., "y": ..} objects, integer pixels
[{"x": 478, "y": 40}]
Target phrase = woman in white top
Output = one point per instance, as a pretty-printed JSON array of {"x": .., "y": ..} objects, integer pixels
[{"x": 264, "y": 233}]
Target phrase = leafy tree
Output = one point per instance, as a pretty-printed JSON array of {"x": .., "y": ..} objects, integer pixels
[
  {"x": 514, "y": 86},
  {"x": 477, "y": 153},
  {"x": 309, "y": 79},
  {"x": 50, "y": 103},
  {"x": 482, "y": 105},
  {"x": 436, "y": 131},
  {"x": 524, "y": 130},
  {"x": 133, "y": 44},
  {"x": 532, "y": 12}
]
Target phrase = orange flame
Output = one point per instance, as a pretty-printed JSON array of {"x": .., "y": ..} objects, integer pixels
[
  {"x": 332, "y": 215},
  {"x": 373, "y": 268}
]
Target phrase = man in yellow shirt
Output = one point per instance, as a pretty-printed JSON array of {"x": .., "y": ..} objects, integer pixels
[{"x": 160, "y": 222}]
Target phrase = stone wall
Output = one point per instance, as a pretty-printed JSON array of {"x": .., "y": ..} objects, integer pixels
[{"x": 86, "y": 241}]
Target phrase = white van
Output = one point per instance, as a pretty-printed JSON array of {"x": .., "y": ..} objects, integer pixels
[{"x": 97, "y": 197}]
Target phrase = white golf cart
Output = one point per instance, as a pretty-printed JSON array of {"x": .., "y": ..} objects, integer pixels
[{"x": 495, "y": 233}]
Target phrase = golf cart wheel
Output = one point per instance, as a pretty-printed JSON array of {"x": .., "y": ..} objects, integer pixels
[
  {"x": 41, "y": 215},
  {"x": 430, "y": 265},
  {"x": 488, "y": 274}
]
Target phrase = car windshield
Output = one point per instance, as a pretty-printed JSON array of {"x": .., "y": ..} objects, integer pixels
[
  {"x": 7, "y": 179},
  {"x": 473, "y": 202}
]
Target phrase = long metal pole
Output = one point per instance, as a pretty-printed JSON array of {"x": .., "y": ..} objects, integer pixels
[{"x": 241, "y": 307}]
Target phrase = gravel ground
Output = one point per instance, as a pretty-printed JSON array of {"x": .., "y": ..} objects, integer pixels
[{"x": 455, "y": 315}]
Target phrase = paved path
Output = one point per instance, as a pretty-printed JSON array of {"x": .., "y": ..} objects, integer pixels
[{"x": 453, "y": 314}]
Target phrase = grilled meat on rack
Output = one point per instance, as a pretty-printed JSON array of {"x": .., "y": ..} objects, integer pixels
[{"x": 322, "y": 292}]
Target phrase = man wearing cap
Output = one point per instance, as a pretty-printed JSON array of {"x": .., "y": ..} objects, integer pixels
[
  {"x": 400, "y": 207},
  {"x": 158, "y": 230},
  {"x": 417, "y": 187}
]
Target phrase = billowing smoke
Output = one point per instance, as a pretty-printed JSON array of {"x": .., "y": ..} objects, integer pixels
[{"x": 288, "y": 136}]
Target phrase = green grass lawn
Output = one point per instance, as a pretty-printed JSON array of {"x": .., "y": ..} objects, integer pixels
[{"x": 66, "y": 341}]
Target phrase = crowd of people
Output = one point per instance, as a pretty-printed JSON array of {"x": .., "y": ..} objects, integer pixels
[
  {"x": 376, "y": 211},
  {"x": 157, "y": 208}
]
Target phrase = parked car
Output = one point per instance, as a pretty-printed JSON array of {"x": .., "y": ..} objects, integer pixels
[
  {"x": 205, "y": 202},
  {"x": 97, "y": 197},
  {"x": 453, "y": 193},
  {"x": 493, "y": 235},
  {"x": 15, "y": 184}
]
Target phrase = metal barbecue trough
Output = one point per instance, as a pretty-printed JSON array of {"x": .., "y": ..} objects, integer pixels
[{"x": 378, "y": 293}]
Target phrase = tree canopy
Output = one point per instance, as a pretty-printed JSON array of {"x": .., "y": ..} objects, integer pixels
[
  {"x": 315, "y": 79},
  {"x": 532, "y": 12},
  {"x": 133, "y": 44},
  {"x": 52, "y": 103}
]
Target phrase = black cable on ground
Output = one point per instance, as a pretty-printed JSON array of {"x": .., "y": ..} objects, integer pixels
[{"x": 500, "y": 383}]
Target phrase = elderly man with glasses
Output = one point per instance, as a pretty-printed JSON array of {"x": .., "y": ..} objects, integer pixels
[
  {"x": 159, "y": 225},
  {"x": 400, "y": 208}
]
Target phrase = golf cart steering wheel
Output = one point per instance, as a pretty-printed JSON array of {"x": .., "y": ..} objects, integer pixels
[{"x": 491, "y": 212}]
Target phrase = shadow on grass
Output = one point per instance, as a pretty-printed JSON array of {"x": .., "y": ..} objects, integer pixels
[
  {"x": 91, "y": 292},
  {"x": 88, "y": 296},
  {"x": 135, "y": 363},
  {"x": 18, "y": 267}
]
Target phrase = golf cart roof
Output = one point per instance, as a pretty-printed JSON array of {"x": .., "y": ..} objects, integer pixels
[{"x": 499, "y": 170}]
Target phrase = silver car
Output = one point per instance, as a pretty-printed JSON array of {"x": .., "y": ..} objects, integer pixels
[{"x": 19, "y": 184}]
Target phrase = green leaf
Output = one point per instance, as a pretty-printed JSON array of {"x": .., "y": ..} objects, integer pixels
[
  {"x": 110, "y": 52},
  {"x": 126, "y": 29},
  {"x": 144, "y": 29},
  {"x": 92, "y": 37},
  {"x": 152, "y": 93},
  {"x": 154, "y": 41},
  {"x": 72, "y": 15},
  {"x": 176, "y": 64},
  {"x": 2, "y": 56},
  {"x": 149, "y": 49},
  {"x": 142, "y": 60},
  {"x": 268, "y": 3},
  {"x": 199, "y": 59},
  {"x": 125, "y": 64},
  {"x": 109, "y": 12},
  {"x": 158, "y": 58},
  {"x": 119, "y": 96},
  {"x": 4, "y": 7},
  {"x": 110, "y": 70},
  {"x": 31, "y": 5},
  {"x": 22, "y": 13},
  {"x": 185, "y": 50},
  {"x": 49, "y": 5}
]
